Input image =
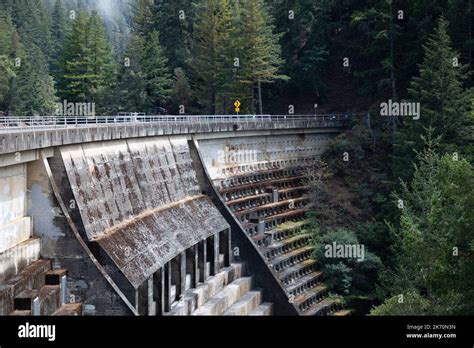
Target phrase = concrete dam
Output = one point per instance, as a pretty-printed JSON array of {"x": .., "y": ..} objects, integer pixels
[{"x": 164, "y": 215}]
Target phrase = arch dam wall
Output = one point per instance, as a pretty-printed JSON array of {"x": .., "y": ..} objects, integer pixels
[{"x": 183, "y": 217}]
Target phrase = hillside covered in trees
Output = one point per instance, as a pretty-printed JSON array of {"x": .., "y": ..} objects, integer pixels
[
  {"x": 138, "y": 55},
  {"x": 400, "y": 184}
]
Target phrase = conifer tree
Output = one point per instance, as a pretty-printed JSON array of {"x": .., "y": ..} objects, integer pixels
[
  {"x": 173, "y": 19},
  {"x": 305, "y": 40},
  {"x": 86, "y": 62},
  {"x": 439, "y": 90},
  {"x": 131, "y": 94},
  {"x": 6, "y": 59},
  {"x": 444, "y": 103},
  {"x": 33, "y": 22},
  {"x": 435, "y": 239},
  {"x": 58, "y": 35},
  {"x": 212, "y": 61},
  {"x": 33, "y": 92},
  {"x": 158, "y": 80},
  {"x": 102, "y": 67},
  {"x": 379, "y": 25},
  {"x": 142, "y": 17},
  {"x": 76, "y": 76},
  {"x": 182, "y": 90},
  {"x": 260, "y": 50}
]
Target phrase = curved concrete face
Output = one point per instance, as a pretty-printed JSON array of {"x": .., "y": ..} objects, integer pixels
[
  {"x": 262, "y": 182},
  {"x": 118, "y": 180},
  {"x": 140, "y": 201},
  {"x": 225, "y": 158}
]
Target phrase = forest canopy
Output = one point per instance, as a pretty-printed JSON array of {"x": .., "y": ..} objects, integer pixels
[
  {"x": 401, "y": 186},
  {"x": 198, "y": 56}
]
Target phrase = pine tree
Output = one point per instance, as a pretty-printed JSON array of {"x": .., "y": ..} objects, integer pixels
[
  {"x": 142, "y": 17},
  {"x": 259, "y": 49},
  {"x": 33, "y": 22},
  {"x": 33, "y": 92},
  {"x": 86, "y": 62},
  {"x": 306, "y": 27},
  {"x": 131, "y": 94},
  {"x": 102, "y": 67},
  {"x": 173, "y": 18},
  {"x": 74, "y": 84},
  {"x": 213, "y": 55},
  {"x": 378, "y": 24},
  {"x": 6, "y": 60},
  {"x": 182, "y": 90},
  {"x": 58, "y": 34},
  {"x": 435, "y": 237},
  {"x": 158, "y": 80},
  {"x": 444, "y": 103},
  {"x": 6, "y": 74},
  {"x": 439, "y": 89}
]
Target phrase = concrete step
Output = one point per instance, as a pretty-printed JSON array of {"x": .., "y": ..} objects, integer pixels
[
  {"x": 185, "y": 306},
  {"x": 305, "y": 300},
  {"x": 324, "y": 307},
  {"x": 234, "y": 201},
  {"x": 292, "y": 258},
  {"x": 303, "y": 238},
  {"x": 286, "y": 230},
  {"x": 291, "y": 189},
  {"x": 17, "y": 258},
  {"x": 264, "y": 309},
  {"x": 49, "y": 299},
  {"x": 287, "y": 227},
  {"x": 262, "y": 173},
  {"x": 283, "y": 205},
  {"x": 69, "y": 309},
  {"x": 293, "y": 215},
  {"x": 304, "y": 283},
  {"x": 19, "y": 295},
  {"x": 293, "y": 253},
  {"x": 195, "y": 298},
  {"x": 290, "y": 181},
  {"x": 40, "y": 302},
  {"x": 220, "y": 302},
  {"x": 245, "y": 304},
  {"x": 31, "y": 277},
  {"x": 260, "y": 240},
  {"x": 19, "y": 313},
  {"x": 292, "y": 274},
  {"x": 287, "y": 245},
  {"x": 216, "y": 283}
]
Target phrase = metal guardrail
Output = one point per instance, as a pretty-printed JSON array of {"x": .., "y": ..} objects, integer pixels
[{"x": 7, "y": 124}]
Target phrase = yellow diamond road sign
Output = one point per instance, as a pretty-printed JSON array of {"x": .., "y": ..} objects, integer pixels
[{"x": 237, "y": 105}]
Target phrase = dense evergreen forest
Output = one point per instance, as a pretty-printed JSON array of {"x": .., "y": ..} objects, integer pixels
[{"x": 401, "y": 186}]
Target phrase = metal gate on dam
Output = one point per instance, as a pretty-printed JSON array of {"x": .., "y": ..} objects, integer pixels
[{"x": 161, "y": 215}]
